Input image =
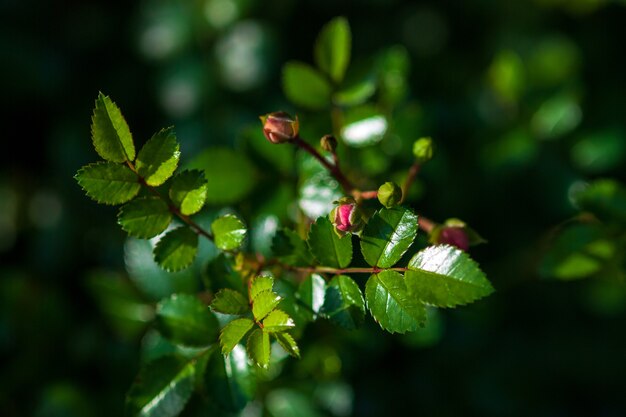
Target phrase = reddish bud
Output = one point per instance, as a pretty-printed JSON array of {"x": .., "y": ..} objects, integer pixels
[
  {"x": 279, "y": 127},
  {"x": 454, "y": 236},
  {"x": 346, "y": 217}
]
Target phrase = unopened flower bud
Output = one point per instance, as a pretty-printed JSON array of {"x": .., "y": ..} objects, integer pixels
[
  {"x": 423, "y": 150},
  {"x": 389, "y": 194},
  {"x": 346, "y": 217},
  {"x": 279, "y": 127},
  {"x": 328, "y": 143},
  {"x": 454, "y": 236}
]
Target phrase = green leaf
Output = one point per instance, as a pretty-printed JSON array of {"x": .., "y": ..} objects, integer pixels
[
  {"x": 290, "y": 248},
  {"x": 387, "y": 235},
  {"x": 230, "y": 381},
  {"x": 393, "y": 307},
  {"x": 355, "y": 93},
  {"x": 332, "y": 49},
  {"x": 277, "y": 321},
  {"x": 177, "y": 249},
  {"x": 162, "y": 388},
  {"x": 229, "y": 301},
  {"x": 311, "y": 293},
  {"x": 189, "y": 191},
  {"x": 258, "y": 347},
  {"x": 144, "y": 217},
  {"x": 258, "y": 284},
  {"x": 286, "y": 342},
  {"x": 327, "y": 247},
  {"x": 229, "y": 232},
  {"x": 233, "y": 332},
  {"x": 445, "y": 276},
  {"x": 108, "y": 183},
  {"x": 343, "y": 302},
  {"x": 230, "y": 175},
  {"x": 110, "y": 133},
  {"x": 185, "y": 320},
  {"x": 606, "y": 199},
  {"x": 263, "y": 303},
  {"x": 158, "y": 159},
  {"x": 363, "y": 126},
  {"x": 305, "y": 86}
]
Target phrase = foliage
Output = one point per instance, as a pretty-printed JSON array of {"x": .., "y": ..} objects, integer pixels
[{"x": 264, "y": 301}]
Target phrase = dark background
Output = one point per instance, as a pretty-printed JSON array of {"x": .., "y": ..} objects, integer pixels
[{"x": 480, "y": 73}]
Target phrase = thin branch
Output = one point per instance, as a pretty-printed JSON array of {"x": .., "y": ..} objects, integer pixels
[
  {"x": 334, "y": 169},
  {"x": 413, "y": 170},
  {"x": 339, "y": 271},
  {"x": 172, "y": 208}
]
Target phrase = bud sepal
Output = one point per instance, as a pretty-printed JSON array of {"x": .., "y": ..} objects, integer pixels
[
  {"x": 346, "y": 217},
  {"x": 280, "y": 127}
]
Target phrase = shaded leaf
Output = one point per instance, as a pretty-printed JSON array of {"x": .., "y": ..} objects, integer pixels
[
  {"x": 233, "y": 332},
  {"x": 327, "y": 247},
  {"x": 162, "y": 388},
  {"x": 189, "y": 191},
  {"x": 185, "y": 320},
  {"x": 286, "y": 342},
  {"x": 291, "y": 249},
  {"x": 606, "y": 199},
  {"x": 258, "y": 348},
  {"x": 388, "y": 235},
  {"x": 343, "y": 302},
  {"x": 263, "y": 303},
  {"x": 144, "y": 217},
  {"x": 229, "y": 301},
  {"x": 158, "y": 158},
  {"x": 277, "y": 321},
  {"x": 229, "y": 232},
  {"x": 177, "y": 249},
  {"x": 108, "y": 183},
  {"x": 305, "y": 86},
  {"x": 230, "y": 175},
  {"x": 445, "y": 276},
  {"x": 311, "y": 293},
  {"x": 110, "y": 133},
  {"x": 230, "y": 381},
  {"x": 332, "y": 49},
  {"x": 393, "y": 307}
]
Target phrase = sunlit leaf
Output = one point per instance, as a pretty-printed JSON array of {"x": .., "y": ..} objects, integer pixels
[
  {"x": 391, "y": 303},
  {"x": 144, "y": 217},
  {"x": 110, "y": 133},
  {"x": 233, "y": 332},
  {"x": 108, "y": 182},
  {"x": 158, "y": 159},
  {"x": 229, "y": 232},
  {"x": 445, "y": 276},
  {"x": 388, "y": 235},
  {"x": 189, "y": 191},
  {"x": 277, "y": 321},
  {"x": 363, "y": 126},
  {"x": 177, "y": 249},
  {"x": 258, "y": 348}
]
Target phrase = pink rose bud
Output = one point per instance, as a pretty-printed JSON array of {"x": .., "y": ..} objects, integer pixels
[
  {"x": 346, "y": 217},
  {"x": 454, "y": 236},
  {"x": 279, "y": 127}
]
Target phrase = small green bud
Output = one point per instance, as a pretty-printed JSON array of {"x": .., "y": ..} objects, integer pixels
[
  {"x": 328, "y": 143},
  {"x": 389, "y": 194},
  {"x": 279, "y": 127},
  {"x": 423, "y": 149}
]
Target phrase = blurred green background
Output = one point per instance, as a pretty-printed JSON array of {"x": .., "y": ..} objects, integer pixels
[{"x": 525, "y": 100}]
